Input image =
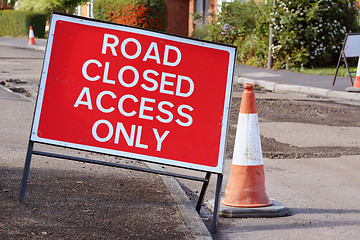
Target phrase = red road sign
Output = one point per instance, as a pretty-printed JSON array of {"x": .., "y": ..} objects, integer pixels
[{"x": 134, "y": 93}]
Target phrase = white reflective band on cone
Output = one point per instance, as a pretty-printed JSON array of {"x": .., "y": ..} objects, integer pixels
[
  {"x": 31, "y": 34},
  {"x": 247, "y": 148}
]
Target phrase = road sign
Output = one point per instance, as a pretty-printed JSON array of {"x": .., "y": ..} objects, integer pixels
[
  {"x": 350, "y": 49},
  {"x": 134, "y": 93}
]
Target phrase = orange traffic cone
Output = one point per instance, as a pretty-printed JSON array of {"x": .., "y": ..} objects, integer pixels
[
  {"x": 246, "y": 186},
  {"x": 356, "y": 87},
  {"x": 357, "y": 79},
  {"x": 31, "y": 36}
]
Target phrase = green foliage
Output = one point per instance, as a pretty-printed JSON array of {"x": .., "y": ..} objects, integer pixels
[
  {"x": 246, "y": 25},
  {"x": 201, "y": 31},
  {"x": 138, "y": 13},
  {"x": 310, "y": 33},
  {"x": 342, "y": 71},
  {"x": 67, "y": 6},
  {"x": 307, "y": 33},
  {"x": 17, "y": 23}
]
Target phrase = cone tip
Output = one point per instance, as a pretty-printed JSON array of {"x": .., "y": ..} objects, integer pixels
[
  {"x": 248, "y": 102},
  {"x": 249, "y": 86}
]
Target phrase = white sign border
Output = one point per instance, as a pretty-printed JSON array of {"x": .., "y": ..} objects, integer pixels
[{"x": 74, "y": 19}]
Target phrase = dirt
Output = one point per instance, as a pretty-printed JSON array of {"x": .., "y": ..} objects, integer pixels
[
  {"x": 81, "y": 205},
  {"x": 322, "y": 112},
  {"x": 13, "y": 85}
]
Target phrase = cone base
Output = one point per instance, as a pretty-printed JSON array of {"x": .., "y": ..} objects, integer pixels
[
  {"x": 275, "y": 210},
  {"x": 352, "y": 89},
  {"x": 246, "y": 205}
]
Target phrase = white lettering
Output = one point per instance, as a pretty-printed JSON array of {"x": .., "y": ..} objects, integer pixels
[
  {"x": 135, "y": 80},
  {"x": 138, "y": 139},
  {"x": 153, "y": 81},
  {"x": 129, "y": 139},
  {"x": 98, "y": 101},
  {"x": 156, "y": 57},
  {"x": 121, "y": 103},
  {"x": 110, "y": 130},
  {"x": 178, "y": 86},
  {"x": 187, "y": 116},
  {"x": 106, "y": 73},
  {"x": 112, "y": 46},
  {"x": 84, "y": 69},
  {"x": 164, "y": 83},
  {"x": 161, "y": 109},
  {"x": 85, "y": 91},
  {"x": 143, "y": 108},
  {"x": 159, "y": 139},
  {"x": 138, "y": 48},
  {"x": 166, "y": 56}
]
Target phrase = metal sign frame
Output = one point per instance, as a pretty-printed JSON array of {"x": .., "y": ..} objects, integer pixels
[
  {"x": 346, "y": 52},
  {"x": 34, "y": 139},
  {"x": 129, "y": 107}
]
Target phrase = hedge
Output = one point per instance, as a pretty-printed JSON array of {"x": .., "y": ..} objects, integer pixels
[
  {"x": 17, "y": 23},
  {"x": 137, "y": 13}
]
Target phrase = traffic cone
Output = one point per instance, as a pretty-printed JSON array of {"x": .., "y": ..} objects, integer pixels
[
  {"x": 245, "y": 195},
  {"x": 31, "y": 36},
  {"x": 357, "y": 78},
  {"x": 246, "y": 186},
  {"x": 356, "y": 87}
]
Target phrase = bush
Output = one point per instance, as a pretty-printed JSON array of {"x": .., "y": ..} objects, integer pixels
[
  {"x": 17, "y": 23},
  {"x": 137, "y": 13},
  {"x": 307, "y": 33},
  {"x": 310, "y": 33},
  {"x": 246, "y": 25}
]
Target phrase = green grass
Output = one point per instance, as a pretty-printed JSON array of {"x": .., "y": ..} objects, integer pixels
[{"x": 329, "y": 71}]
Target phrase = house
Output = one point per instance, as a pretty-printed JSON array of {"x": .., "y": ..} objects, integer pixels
[{"x": 180, "y": 14}]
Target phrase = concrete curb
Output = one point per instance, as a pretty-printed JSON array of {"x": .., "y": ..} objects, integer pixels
[
  {"x": 187, "y": 210},
  {"x": 32, "y": 47},
  {"x": 286, "y": 88},
  {"x": 22, "y": 43}
]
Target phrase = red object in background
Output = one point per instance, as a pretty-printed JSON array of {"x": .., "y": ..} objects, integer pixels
[{"x": 31, "y": 36}]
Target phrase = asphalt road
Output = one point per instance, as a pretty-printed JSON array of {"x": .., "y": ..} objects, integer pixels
[
  {"x": 321, "y": 193},
  {"x": 23, "y": 65}
]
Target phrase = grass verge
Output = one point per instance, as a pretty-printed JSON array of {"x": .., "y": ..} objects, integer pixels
[{"x": 329, "y": 71}]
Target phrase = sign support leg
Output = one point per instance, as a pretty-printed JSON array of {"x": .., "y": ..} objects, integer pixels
[
  {"x": 216, "y": 202},
  {"x": 26, "y": 171},
  {"x": 203, "y": 190},
  {"x": 337, "y": 68},
  {"x": 347, "y": 66}
]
